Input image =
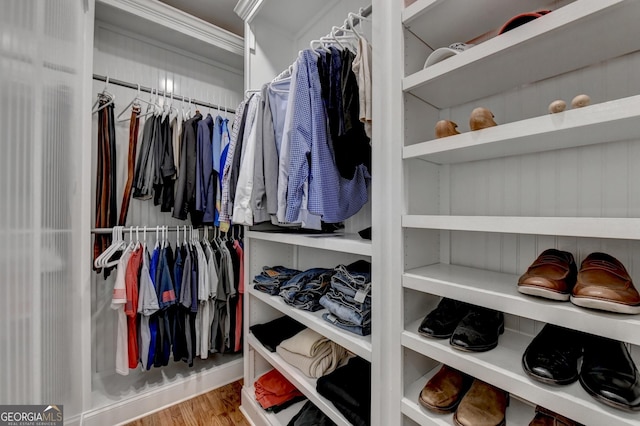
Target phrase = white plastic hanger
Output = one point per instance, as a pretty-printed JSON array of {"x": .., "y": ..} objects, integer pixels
[
  {"x": 135, "y": 102},
  {"x": 104, "y": 95}
]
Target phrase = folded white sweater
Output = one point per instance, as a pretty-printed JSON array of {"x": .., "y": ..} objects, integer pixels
[{"x": 312, "y": 353}]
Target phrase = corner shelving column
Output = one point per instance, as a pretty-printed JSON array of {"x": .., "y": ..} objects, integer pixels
[{"x": 480, "y": 206}]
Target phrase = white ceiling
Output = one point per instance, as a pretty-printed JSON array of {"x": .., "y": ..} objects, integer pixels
[{"x": 217, "y": 12}]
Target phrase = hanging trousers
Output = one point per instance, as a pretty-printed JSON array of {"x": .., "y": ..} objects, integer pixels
[
  {"x": 133, "y": 144},
  {"x": 106, "y": 204}
]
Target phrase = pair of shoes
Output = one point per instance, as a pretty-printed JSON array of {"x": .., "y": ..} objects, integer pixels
[
  {"x": 480, "y": 118},
  {"x": 601, "y": 283},
  {"x": 546, "y": 417},
  {"x": 474, "y": 402},
  {"x": 578, "y": 102},
  {"x": 607, "y": 373},
  {"x": 469, "y": 328}
]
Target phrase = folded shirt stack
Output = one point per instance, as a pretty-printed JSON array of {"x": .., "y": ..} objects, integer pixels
[
  {"x": 349, "y": 389},
  {"x": 310, "y": 415},
  {"x": 312, "y": 353},
  {"x": 349, "y": 298},
  {"x": 271, "y": 278},
  {"x": 275, "y": 393},
  {"x": 304, "y": 290},
  {"x": 271, "y": 333}
]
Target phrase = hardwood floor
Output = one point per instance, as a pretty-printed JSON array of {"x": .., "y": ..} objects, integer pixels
[{"x": 216, "y": 408}]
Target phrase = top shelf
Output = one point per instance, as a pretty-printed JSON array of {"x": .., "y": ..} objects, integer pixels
[
  {"x": 580, "y": 34},
  {"x": 176, "y": 28},
  {"x": 430, "y": 20}
]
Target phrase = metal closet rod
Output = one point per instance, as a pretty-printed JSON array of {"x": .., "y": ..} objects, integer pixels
[
  {"x": 134, "y": 86},
  {"x": 172, "y": 228}
]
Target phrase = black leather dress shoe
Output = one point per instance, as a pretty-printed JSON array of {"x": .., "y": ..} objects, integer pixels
[
  {"x": 609, "y": 374},
  {"x": 552, "y": 356},
  {"x": 479, "y": 330},
  {"x": 440, "y": 322}
]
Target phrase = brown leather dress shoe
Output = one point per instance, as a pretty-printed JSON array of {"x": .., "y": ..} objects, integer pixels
[
  {"x": 603, "y": 283},
  {"x": 546, "y": 417},
  {"x": 552, "y": 276},
  {"x": 483, "y": 405},
  {"x": 443, "y": 392}
]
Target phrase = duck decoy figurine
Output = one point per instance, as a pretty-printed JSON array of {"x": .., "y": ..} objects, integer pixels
[
  {"x": 446, "y": 128},
  {"x": 481, "y": 118}
]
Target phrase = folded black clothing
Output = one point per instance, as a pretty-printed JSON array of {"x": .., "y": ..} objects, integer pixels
[
  {"x": 286, "y": 404},
  {"x": 310, "y": 415},
  {"x": 272, "y": 333},
  {"x": 359, "y": 266},
  {"x": 349, "y": 388},
  {"x": 365, "y": 233}
]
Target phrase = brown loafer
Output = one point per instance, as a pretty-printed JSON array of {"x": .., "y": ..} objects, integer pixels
[
  {"x": 603, "y": 283},
  {"x": 552, "y": 276},
  {"x": 443, "y": 392},
  {"x": 483, "y": 405},
  {"x": 546, "y": 417}
]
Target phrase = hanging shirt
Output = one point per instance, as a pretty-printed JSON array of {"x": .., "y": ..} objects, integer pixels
[
  {"x": 185, "y": 193},
  {"x": 118, "y": 302},
  {"x": 141, "y": 183},
  {"x": 238, "y": 323},
  {"x": 147, "y": 306},
  {"x": 153, "y": 320},
  {"x": 178, "y": 338},
  {"x": 205, "y": 186},
  {"x": 330, "y": 196},
  {"x": 242, "y": 213},
  {"x": 203, "y": 320},
  {"x": 362, "y": 69},
  {"x": 131, "y": 307}
]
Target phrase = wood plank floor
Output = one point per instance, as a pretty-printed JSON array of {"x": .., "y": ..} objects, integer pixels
[{"x": 216, "y": 408}]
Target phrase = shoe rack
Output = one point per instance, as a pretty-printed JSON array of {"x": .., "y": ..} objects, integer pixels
[
  {"x": 274, "y": 33},
  {"x": 478, "y": 207}
]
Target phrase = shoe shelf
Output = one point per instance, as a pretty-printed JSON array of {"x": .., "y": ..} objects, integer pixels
[
  {"x": 518, "y": 413},
  {"x": 346, "y": 243},
  {"x": 303, "y": 383},
  {"x": 605, "y": 122},
  {"x": 501, "y": 367},
  {"x": 252, "y": 410},
  {"x": 567, "y": 39},
  {"x": 430, "y": 20},
  {"x": 359, "y": 345},
  {"x": 499, "y": 291},
  {"x": 587, "y": 227}
]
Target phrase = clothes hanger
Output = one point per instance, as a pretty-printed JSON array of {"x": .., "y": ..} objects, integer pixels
[
  {"x": 150, "y": 106},
  {"x": 104, "y": 95},
  {"x": 122, "y": 245},
  {"x": 134, "y": 102}
]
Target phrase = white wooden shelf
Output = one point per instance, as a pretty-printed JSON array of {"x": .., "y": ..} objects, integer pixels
[
  {"x": 605, "y": 122},
  {"x": 346, "y": 243},
  {"x": 252, "y": 410},
  {"x": 499, "y": 291},
  {"x": 518, "y": 413},
  {"x": 303, "y": 383},
  {"x": 359, "y": 345},
  {"x": 502, "y": 368},
  {"x": 173, "y": 27},
  {"x": 430, "y": 20},
  {"x": 567, "y": 39},
  {"x": 587, "y": 227}
]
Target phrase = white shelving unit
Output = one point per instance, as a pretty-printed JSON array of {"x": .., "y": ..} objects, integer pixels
[
  {"x": 479, "y": 207},
  {"x": 275, "y": 31}
]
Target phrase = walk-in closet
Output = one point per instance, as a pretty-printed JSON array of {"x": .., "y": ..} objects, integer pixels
[{"x": 344, "y": 212}]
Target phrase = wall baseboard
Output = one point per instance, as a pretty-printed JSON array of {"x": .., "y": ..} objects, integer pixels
[{"x": 149, "y": 402}]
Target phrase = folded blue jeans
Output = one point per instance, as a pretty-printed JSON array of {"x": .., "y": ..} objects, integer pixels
[
  {"x": 305, "y": 289},
  {"x": 356, "y": 314},
  {"x": 270, "y": 279}
]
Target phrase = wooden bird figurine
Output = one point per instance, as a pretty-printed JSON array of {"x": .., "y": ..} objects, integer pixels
[
  {"x": 481, "y": 118},
  {"x": 580, "y": 101},
  {"x": 557, "y": 106},
  {"x": 446, "y": 128}
]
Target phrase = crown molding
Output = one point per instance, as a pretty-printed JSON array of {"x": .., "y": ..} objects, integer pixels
[
  {"x": 246, "y": 9},
  {"x": 181, "y": 22}
]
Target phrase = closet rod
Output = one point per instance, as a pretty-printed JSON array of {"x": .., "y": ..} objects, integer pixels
[
  {"x": 365, "y": 12},
  {"x": 162, "y": 93},
  {"x": 171, "y": 228}
]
